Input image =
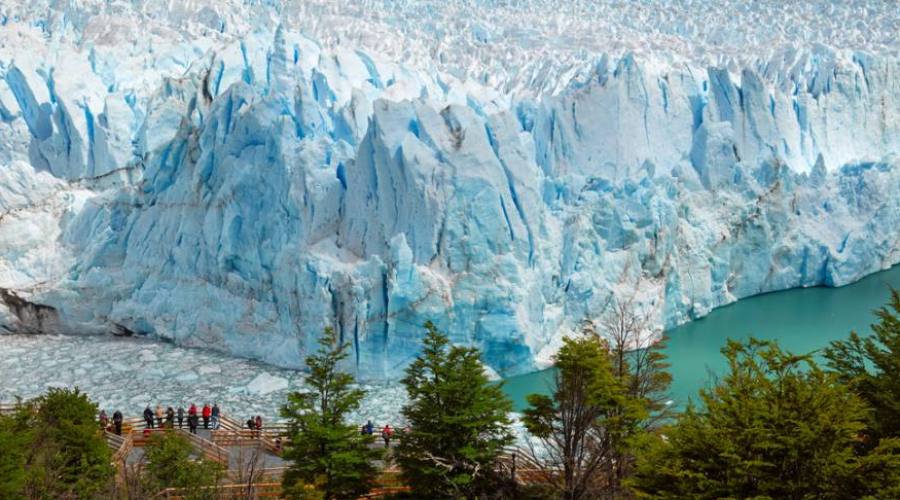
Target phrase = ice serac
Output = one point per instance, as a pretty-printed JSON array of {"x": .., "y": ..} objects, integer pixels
[{"x": 243, "y": 190}]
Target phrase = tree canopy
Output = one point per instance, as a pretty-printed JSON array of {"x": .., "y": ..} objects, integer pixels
[
  {"x": 458, "y": 422},
  {"x": 52, "y": 447},
  {"x": 326, "y": 451},
  {"x": 776, "y": 426},
  {"x": 169, "y": 464},
  {"x": 871, "y": 367}
]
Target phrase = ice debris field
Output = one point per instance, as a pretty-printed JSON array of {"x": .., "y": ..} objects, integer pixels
[
  {"x": 239, "y": 175},
  {"x": 133, "y": 373}
]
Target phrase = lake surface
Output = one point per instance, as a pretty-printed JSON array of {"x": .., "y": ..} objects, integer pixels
[{"x": 801, "y": 320}]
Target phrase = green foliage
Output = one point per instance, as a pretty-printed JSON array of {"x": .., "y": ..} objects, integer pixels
[
  {"x": 169, "y": 464},
  {"x": 458, "y": 422},
  {"x": 871, "y": 367},
  {"x": 327, "y": 452},
  {"x": 777, "y": 426},
  {"x": 585, "y": 426},
  {"x": 14, "y": 438},
  {"x": 59, "y": 447}
]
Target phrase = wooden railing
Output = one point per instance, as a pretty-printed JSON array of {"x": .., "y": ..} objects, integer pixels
[
  {"x": 121, "y": 446},
  {"x": 7, "y": 408},
  {"x": 210, "y": 450},
  {"x": 229, "y": 491},
  {"x": 388, "y": 483},
  {"x": 277, "y": 429},
  {"x": 207, "y": 448},
  {"x": 114, "y": 441},
  {"x": 246, "y": 438},
  {"x": 229, "y": 424}
]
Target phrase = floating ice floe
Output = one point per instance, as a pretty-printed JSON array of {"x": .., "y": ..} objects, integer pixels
[{"x": 264, "y": 383}]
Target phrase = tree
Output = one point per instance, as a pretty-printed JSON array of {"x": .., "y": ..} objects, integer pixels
[
  {"x": 66, "y": 455},
  {"x": 776, "y": 426},
  {"x": 167, "y": 463},
  {"x": 871, "y": 367},
  {"x": 639, "y": 364},
  {"x": 325, "y": 450},
  {"x": 458, "y": 422},
  {"x": 579, "y": 426},
  {"x": 14, "y": 438},
  {"x": 638, "y": 358}
]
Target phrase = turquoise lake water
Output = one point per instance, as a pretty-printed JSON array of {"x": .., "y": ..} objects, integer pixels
[{"x": 801, "y": 320}]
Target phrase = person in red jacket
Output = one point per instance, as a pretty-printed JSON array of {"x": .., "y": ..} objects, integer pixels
[
  {"x": 192, "y": 410},
  {"x": 207, "y": 412},
  {"x": 386, "y": 434}
]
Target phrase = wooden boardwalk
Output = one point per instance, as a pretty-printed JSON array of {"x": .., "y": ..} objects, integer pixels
[{"x": 232, "y": 445}]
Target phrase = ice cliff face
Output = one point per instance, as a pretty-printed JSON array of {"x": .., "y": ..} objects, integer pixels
[{"x": 243, "y": 190}]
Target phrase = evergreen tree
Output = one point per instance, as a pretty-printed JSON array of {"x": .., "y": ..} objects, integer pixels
[
  {"x": 777, "y": 426},
  {"x": 169, "y": 465},
  {"x": 66, "y": 454},
  {"x": 14, "y": 438},
  {"x": 458, "y": 422},
  {"x": 871, "y": 367},
  {"x": 581, "y": 424},
  {"x": 325, "y": 450}
]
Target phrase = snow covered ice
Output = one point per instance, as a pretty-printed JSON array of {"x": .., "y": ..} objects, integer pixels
[{"x": 239, "y": 175}]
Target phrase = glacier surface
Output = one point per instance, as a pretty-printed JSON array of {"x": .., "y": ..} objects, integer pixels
[{"x": 240, "y": 175}]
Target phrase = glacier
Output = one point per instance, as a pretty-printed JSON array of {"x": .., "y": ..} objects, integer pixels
[{"x": 239, "y": 176}]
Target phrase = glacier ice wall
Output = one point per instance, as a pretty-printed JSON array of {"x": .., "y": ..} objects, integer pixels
[{"x": 243, "y": 193}]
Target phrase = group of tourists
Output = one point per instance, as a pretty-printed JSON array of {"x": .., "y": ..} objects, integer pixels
[
  {"x": 255, "y": 425},
  {"x": 115, "y": 426},
  {"x": 160, "y": 419},
  {"x": 386, "y": 433},
  {"x": 168, "y": 418}
]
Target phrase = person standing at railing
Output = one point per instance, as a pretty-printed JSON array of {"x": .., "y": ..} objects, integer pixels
[
  {"x": 170, "y": 418},
  {"x": 104, "y": 420},
  {"x": 251, "y": 425},
  {"x": 258, "y": 423},
  {"x": 193, "y": 422},
  {"x": 387, "y": 433},
  {"x": 159, "y": 416},
  {"x": 148, "y": 417},
  {"x": 207, "y": 412},
  {"x": 180, "y": 417},
  {"x": 117, "y": 422},
  {"x": 215, "y": 416},
  {"x": 192, "y": 410}
]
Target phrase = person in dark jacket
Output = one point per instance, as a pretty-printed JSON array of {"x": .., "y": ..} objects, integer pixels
[
  {"x": 193, "y": 423},
  {"x": 148, "y": 417},
  {"x": 104, "y": 420},
  {"x": 117, "y": 422},
  {"x": 170, "y": 418},
  {"x": 258, "y": 424},
  {"x": 180, "y": 414},
  {"x": 215, "y": 416},
  {"x": 251, "y": 424}
]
